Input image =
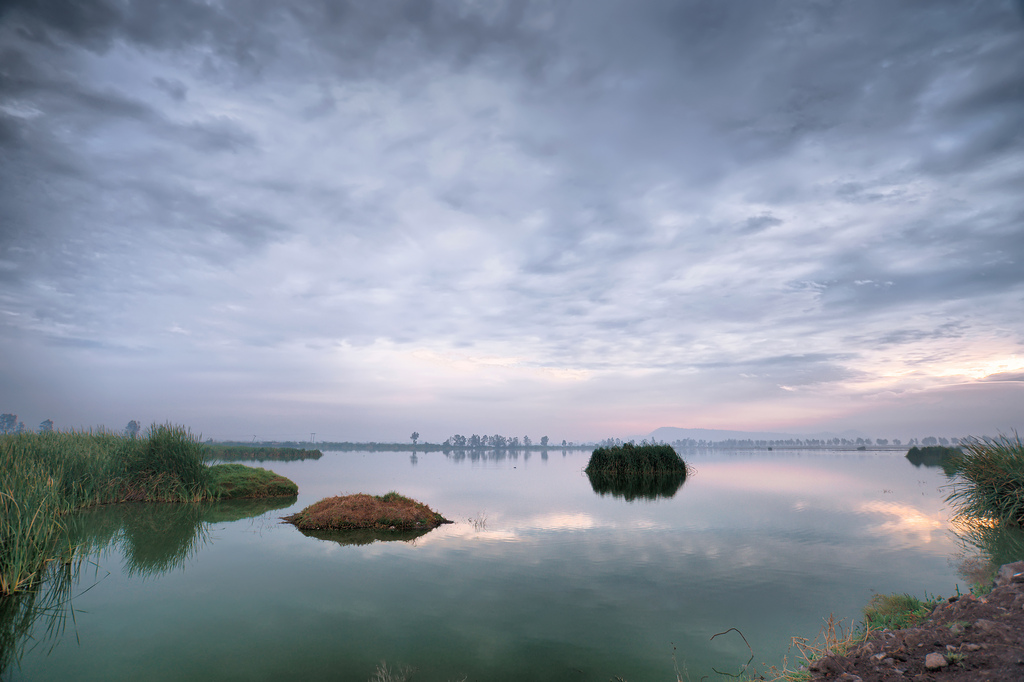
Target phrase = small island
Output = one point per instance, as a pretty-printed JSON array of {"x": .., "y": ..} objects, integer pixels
[
  {"x": 380, "y": 512},
  {"x": 235, "y": 481},
  {"x": 645, "y": 471}
]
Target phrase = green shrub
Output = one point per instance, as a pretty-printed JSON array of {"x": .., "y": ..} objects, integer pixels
[{"x": 989, "y": 480}]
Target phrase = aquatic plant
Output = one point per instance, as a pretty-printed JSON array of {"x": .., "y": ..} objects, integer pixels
[
  {"x": 631, "y": 460},
  {"x": 989, "y": 480},
  {"x": 43, "y": 476}
]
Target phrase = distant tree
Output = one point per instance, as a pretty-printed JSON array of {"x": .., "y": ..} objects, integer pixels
[
  {"x": 543, "y": 441},
  {"x": 8, "y": 422},
  {"x": 944, "y": 441},
  {"x": 46, "y": 426},
  {"x": 20, "y": 428},
  {"x": 415, "y": 437},
  {"x": 896, "y": 441},
  {"x": 132, "y": 430},
  {"x": 882, "y": 441},
  {"x": 563, "y": 442},
  {"x": 527, "y": 442},
  {"x": 930, "y": 440}
]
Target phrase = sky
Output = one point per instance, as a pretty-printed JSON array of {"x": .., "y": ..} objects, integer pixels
[{"x": 579, "y": 219}]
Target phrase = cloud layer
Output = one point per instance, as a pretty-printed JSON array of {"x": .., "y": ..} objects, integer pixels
[{"x": 586, "y": 219}]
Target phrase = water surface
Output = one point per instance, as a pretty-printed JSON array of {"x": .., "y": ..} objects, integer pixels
[{"x": 539, "y": 577}]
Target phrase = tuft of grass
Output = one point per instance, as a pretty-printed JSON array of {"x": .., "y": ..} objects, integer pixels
[
  {"x": 956, "y": 658},
  {"x": 896, "y": 611},
  {"x": 390, "y": 511},
  {"x": 230, "y": 481},
  {"x": 833, "y": 639},
  {"x": 989, "y": 482}
]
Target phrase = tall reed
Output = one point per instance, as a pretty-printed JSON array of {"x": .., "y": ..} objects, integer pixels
[
  {"x": 643, "y": 460},
  {"x": 989, "y": 482},
  {"x": 46, "y": 475}
]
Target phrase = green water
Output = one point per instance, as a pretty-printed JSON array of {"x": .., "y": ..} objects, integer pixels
[{"x": 540, "y": 577}]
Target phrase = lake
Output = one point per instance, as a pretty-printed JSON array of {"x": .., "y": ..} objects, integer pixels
[{"x": 539, "y": 577}]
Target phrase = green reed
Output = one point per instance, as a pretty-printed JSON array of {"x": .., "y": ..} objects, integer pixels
[
  {"x": 989, "y": 481},
  {"x": 46, "y": 475},
  {"x": 646, "y": 459}
]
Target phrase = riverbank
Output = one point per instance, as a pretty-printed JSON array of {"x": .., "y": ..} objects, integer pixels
[{"x": 964, "y": 638}]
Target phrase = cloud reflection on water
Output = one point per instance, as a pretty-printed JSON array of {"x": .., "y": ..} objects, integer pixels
[{"x": 906, "y": 523}]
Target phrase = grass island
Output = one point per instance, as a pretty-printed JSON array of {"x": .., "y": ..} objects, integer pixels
[{"x": 361, "y": 511}]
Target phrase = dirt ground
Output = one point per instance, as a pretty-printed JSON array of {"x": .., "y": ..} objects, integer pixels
[{"x": 966, "y": 638}]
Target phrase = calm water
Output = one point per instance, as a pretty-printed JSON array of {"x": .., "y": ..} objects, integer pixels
[{"x": 540, "y": 578}]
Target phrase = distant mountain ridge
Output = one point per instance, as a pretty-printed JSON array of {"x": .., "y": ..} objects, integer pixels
[{"x": 671, "y": 434}]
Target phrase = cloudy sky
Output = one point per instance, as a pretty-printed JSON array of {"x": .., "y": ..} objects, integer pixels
[{"x": 576, "y": 219}]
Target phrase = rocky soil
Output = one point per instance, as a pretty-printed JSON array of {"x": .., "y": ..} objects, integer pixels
[{"x": 966, "y": 638}]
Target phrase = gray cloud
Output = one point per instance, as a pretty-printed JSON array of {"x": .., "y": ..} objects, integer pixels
[{"x": 753, "y": 215}]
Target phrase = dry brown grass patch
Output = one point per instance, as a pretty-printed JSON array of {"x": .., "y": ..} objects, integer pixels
[{"x": 391, "y": 511}]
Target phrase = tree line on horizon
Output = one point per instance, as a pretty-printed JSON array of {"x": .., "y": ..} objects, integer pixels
[
  {"x": 9, "y": 424},
  {"x": 690, "y": 443}
]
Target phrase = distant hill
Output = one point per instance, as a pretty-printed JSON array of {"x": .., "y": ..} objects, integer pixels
[{"x": 670, "y": 434}]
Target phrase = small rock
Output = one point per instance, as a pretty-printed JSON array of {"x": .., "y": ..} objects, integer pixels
[
  {"x": 878, "y": 657},
  {"x": 1010, "y": 573},
  {"x": 935, "y": 661},
  {"x": 986, "y": 625},
  {"x": 889, "y": 662},
  {"x": 956, "y": 629},
  {"x": 849, "y": 677},
  {"x": 971, "y": 647}
]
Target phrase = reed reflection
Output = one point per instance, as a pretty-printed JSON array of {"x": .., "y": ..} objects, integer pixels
[
  {"x": 631, "y": 487},
  {"x": 38, "y": 615},
  {"x": 985, "y": 540},
  {"x": 154, "y": 538}
]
